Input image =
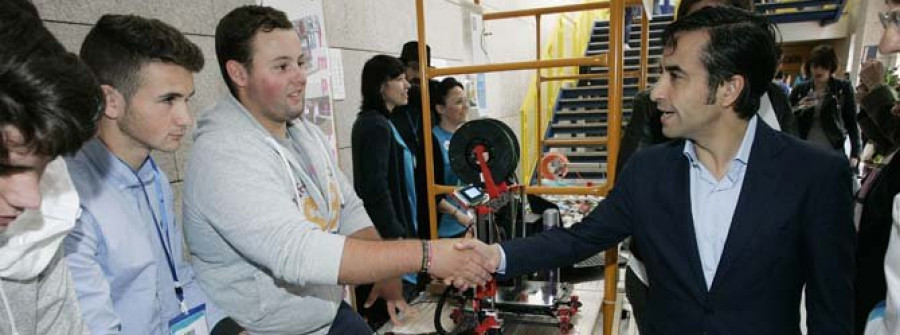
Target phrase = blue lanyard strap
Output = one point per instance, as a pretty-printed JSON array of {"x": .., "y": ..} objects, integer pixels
[{"x": 179, "y": 292}]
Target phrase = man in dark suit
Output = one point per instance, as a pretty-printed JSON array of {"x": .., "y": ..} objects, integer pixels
[{"x": 733, "y": 218}]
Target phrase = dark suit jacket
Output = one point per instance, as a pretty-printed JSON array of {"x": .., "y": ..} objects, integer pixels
[{"x": 792, "y": 226}]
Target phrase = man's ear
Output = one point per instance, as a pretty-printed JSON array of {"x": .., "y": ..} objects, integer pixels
[
  {"x": 730, "y": 90},
  {"x": 237, "y": 72},
  {"x": 115, "y": 102}
]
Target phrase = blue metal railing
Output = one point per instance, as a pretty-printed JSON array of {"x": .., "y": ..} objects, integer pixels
[{"x": 823, "y": 11}]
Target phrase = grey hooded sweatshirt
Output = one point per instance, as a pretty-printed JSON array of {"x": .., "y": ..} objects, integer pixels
[{"x": 265, "y": 220}]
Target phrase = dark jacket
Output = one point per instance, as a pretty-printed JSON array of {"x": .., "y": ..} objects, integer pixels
[
  {"x": 645, "y": 129},
  {"x": 792, "y": 227},
  {"x": 408, "y": 120},
  {"x": 378, "y": 175},
  {"x": 838, "y": 114},
  {"x": 875, "y": 221}
]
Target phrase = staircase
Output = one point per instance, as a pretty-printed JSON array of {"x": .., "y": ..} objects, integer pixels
[
  {"x": 824, "y": 11},
  {"x": 581, "y": 111}
]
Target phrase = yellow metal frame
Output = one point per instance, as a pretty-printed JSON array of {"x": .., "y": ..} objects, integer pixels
[{"x": 614, "y": 60}]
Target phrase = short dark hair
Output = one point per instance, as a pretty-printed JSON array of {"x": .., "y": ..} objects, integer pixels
[
  {"x": 46, "y": 93},
  {"x": 236, "y": 31},
  {"x": 378, "y": 70},
  {"x": 740, "y": 43},
  {"x": 685, "y": 6},
  {"x": 409, "y": 55},
  {"x": 119, "y": 45},
  {"x": 440, "y": 91},
  {"x": 823, "y": 56}
]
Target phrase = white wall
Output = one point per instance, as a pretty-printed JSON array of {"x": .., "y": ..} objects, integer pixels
[{"x": 364, "y": 28}]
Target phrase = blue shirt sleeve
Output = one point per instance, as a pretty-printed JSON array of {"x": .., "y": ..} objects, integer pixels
[{"x": 82, "y": 247}]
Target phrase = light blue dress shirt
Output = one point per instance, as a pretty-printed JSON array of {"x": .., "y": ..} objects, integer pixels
[
  {"x": 117, "y": 263},
  {"x": 713, "y": 201}
]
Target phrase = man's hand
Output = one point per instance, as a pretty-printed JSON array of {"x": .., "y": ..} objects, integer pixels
[
  {"x": 461, "y": 267},
  {"x": 491, "y": 254},
  {"x": 872, "y": 73},
  {"x": 391, "y": 290}
]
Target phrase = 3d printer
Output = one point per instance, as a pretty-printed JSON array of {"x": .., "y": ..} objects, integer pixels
[{"x": 484, "y": 154}]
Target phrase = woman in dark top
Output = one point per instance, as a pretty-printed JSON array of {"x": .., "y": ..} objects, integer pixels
[
  {"x": 824, "y": 106},
  {"x": 383, "y": 165}
]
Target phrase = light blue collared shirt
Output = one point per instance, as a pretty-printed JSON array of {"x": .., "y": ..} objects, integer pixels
[
  {"x": 117, "y": 263},
  {"x": 713, "y": 201}
]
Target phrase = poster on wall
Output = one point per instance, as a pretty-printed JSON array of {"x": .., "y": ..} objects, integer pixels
[{"x": 308, "y": 19}]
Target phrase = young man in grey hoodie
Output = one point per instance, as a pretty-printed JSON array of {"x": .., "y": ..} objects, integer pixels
[
  {"x": 49, "y": 101},
  {"x": 274, "y": 228}
]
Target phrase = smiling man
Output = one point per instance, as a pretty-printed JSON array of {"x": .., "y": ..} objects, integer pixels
[
  {"x": 273, "y": 226},
  {"x": 125, "y": 253},
  {"x": 730, "y": 226}
]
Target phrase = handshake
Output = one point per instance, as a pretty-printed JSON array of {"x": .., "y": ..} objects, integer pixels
[{"x": 464, "y": 262}]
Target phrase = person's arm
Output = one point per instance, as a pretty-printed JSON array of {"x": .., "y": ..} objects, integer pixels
[
  {"x": 828, "y": 245},
  {"x": 878, "y": 101},
  {"x": 446, "y": 208},
  {"x": 257, "y": 216},
  {"x": 605, "y": 226},
  {"x": 390, "y": 289},
  {"x": 848, "y": 113},
  {"x": 371, "y": 157},
  {"x": 82, "y": 248},
  {"x": 57, "y": 305}
]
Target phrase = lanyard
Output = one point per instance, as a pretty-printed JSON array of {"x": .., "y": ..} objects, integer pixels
[{"x": 163, "y": 222}]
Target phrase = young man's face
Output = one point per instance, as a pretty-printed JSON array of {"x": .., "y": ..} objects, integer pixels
[
  {"x": 20, "y": 176},
  {"x": 157, "y": 116},
  {"x": 681, "y": 94},
  {"x": 276, "y": 83}
]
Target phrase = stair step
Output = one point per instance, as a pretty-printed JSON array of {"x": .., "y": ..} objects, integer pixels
[
  {"x": 598, "y": 48},
  {"x": 558, "y": 145},
  {"x": 579, "y": 125},
  {"x": 596, "y": 90},
  {"x": 654, "y": 25},
  {"x": 603, "y": 36}
]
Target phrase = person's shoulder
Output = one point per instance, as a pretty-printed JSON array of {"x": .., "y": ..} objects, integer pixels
[
  {"x": 658, "y": 154},
  {"x": 802, "y": 152},
  {"x": 371, "y": 120}
]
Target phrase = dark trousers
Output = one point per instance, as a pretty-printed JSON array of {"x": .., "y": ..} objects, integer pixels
[
  {"x": 636, "y": 292},
  {"x": 347, "y": 321}
]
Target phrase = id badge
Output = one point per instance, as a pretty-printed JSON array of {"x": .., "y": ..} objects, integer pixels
[{"x": 192, "y": 323}]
